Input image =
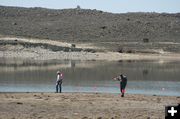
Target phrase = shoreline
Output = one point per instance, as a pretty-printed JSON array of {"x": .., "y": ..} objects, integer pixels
[
  {"x": 39, "y": 92},
  {"x": 44, "y": 55},
  {"x": 83, "y": 105},
  {"x": 38, "y": 52}
]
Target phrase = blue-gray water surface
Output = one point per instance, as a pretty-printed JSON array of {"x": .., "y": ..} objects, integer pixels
[{"x": 144, "y": 77}]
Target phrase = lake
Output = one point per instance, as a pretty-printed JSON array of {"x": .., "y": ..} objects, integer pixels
[{"x": 144, "y": 77}]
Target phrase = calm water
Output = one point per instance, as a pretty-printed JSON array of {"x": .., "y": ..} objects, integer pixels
[{"x": 144, "y": 77}]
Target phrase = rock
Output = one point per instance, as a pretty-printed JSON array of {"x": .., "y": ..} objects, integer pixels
[
  {"x": 14, "y": 23},
  {"x": 120, "y": 50},
  {"x": 78, "y": 7},
  {"x": 19, "y": 103},
  {"x": 103, "y": 27},
  {"x": 73, "y": 45},
  {"x": 145, "y": 40},
  {"x": 85, "y": 118},
  {"x": 99, "y": 118}
]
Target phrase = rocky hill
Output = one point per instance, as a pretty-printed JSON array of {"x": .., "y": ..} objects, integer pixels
[{"x": 89, "y": 25}]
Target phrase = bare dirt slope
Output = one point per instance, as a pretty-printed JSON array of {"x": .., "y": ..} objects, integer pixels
[
  {"x": 128, "y": 32},
  {"x": 88, "y": 25}
]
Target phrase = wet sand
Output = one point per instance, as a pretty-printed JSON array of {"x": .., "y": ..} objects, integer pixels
[{"x": 83, "y": 106}]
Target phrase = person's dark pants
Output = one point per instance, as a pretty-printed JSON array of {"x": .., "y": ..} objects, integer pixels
[
  {"x": 122, "y": 92},
  {"x": 59, "y": 86},
  {"x": 122, "y": 88}
]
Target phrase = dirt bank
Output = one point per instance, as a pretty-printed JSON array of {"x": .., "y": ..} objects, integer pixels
[{"x": 48, "y": 50}]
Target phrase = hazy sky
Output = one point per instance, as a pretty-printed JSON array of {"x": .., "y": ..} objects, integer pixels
[{"x": 115, "y": 6}]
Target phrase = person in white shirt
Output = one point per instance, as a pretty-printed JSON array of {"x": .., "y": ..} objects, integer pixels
[{"x": 59, "y": 82}]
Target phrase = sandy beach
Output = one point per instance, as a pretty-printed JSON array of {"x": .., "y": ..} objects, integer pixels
[{"x": 83, "y": 106}]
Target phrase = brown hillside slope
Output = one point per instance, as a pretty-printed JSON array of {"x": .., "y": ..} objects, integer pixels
[{"x": 88, "y": 25}]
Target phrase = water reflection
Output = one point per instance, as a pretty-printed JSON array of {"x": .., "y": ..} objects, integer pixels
[{"x": 146, "y": 77}]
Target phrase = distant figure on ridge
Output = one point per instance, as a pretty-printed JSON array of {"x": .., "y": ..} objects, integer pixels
[
  {"x": 123, "y": 82},
  {"x": 59, "y": 81}
]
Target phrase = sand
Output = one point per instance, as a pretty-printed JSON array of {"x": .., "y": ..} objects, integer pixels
[{"x": 83, "y": 106}]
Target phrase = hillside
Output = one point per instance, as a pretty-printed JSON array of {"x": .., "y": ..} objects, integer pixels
[{"x": 88, "y": 25}]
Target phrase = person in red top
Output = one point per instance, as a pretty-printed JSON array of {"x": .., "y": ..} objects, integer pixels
[{"x": 59, "y": 81}]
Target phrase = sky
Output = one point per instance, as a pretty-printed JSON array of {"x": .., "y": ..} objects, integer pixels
[{"x": 114, "y": 6}]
